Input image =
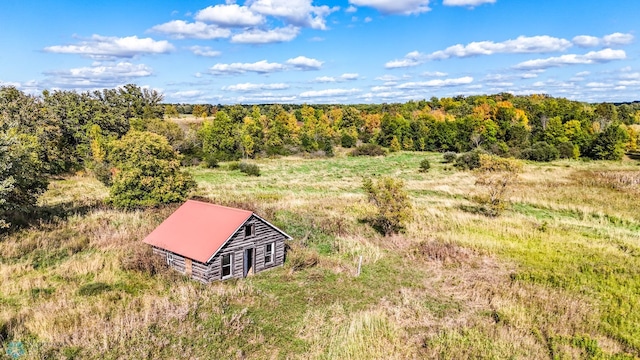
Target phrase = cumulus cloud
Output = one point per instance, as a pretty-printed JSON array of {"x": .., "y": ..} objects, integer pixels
[
  {"x": 264, "y": 67},
  {"x": 436, "y": 83},
  {"x": 260, "y": 67},
  {"x": 100, "y": 74},
  {"x": 181, "y": 29},
  {"x": 520, "y": 45},
  {"x": 229, "y": 15},
  {"x": 387, "y": 78},
  {"x": 593, "y": 57},
  {"x": 607, "y": 40},
  {"x": 249, "y": 87},
  {"x": 258, "y": 36},
  {"x": 299, "y": 13},
  {"x": 305, "y": 63},
  {"x": 434, "y": 74},
  {"x": 470, "y": 3},
  {"x": 413, "y": 58},
  {"x": 204, "y": 51},
  {"x": 404, "y": 7},
  {"x": 341, "y": 78},
  {"x": 101, "y": 47},
  {"x": 328, "y": 93}
]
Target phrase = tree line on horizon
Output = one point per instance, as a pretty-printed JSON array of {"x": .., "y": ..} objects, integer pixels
[{"x": 127, "y": 138}]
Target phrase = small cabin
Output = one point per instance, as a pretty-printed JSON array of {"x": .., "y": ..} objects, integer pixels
[{"x": 210, "y": 242}]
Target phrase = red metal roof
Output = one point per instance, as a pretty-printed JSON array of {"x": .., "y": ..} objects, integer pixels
[{"x": 197, "y": 230}]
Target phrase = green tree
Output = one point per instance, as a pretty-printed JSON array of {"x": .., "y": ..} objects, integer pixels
[
  {"x": 147, "y": 172},
  {"x": 392, "y": 204},
  {"x": 609, "y": 144},
  {"x": 219, "y": 138},
  {"x": 22, "y": 178}
]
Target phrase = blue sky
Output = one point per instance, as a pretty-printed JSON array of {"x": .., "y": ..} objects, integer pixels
[{"x": 319, "y": 51}]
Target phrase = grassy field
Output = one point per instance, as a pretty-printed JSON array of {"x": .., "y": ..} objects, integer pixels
[{"x": 556, "y": 276}]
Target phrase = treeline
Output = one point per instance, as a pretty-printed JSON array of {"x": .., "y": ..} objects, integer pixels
[
  {"x": 123, "y": 137},
  {"x": 535, "y": 127}
]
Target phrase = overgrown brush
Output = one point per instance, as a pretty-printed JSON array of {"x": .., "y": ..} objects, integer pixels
[{"x": 369, "y": 150}]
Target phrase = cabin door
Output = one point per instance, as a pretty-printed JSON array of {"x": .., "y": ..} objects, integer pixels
[{"x": 248, "y": 262}]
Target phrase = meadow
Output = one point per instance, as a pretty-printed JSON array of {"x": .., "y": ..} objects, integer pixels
[{"x": 556, "y": 276}]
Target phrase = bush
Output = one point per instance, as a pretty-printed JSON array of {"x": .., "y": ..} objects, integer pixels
[
  {"x": 425, "y": 165},
  {"x": 469, "y": 160},
  {"x": 142, "y": 259},
  {"x": 449, "y": 157},
  {"x": 567, "y": 150},
  {"x": 496, "y": 175},
  {"x": 541, "y": 151},
  {"x": 210, "y": 162},
  {"x": 369, "y": 150},
  {"x": 249, "y": 169},
  {"x": 392, "y": 203},
  {"x": 234, "y": 165}
]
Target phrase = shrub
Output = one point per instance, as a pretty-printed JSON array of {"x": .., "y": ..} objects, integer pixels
[
  {"x": 210, "y": 162},
  {"x": 469, "y": 160},
  {"x": 567, "y": 150},
  {"x": 541, "y": 151},
  {"x": 234, "y": 165},
  {"x": 449, "y": 157},
  {"x": 249, "y": 169},
  {"x": 425, "y": 165},
  {"x": 496, "y": 175},
  {"x": 394, "y": 146},
  {"x": 392, "y": 203},
  {"x": 369, "y": 150},
  {"x": 142, "y": 259}
]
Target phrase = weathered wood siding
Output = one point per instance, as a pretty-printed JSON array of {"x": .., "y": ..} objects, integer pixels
[{"x": 212, "y": 271}]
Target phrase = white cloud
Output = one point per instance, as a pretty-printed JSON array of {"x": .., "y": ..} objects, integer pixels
[
  {"x": 434, "y": 73},
  {"x": 520, "y": 45},
  {"x": 607, "y": 40},
  {"x": 593, "y": 57},
  {"x": 107, "y": 74},
  {"x": 351, "y": 9},
  {"x": 388, "y": 78},
  {"x": 258, "y": 36},
  {"x": 102, "y": 47},
  {"x": 413, "y": 58},
  {"x": 617, "y": 39},
  {"x": 264, "y": 67},
  {"x": 181, "y": 29},
  {"x": 404, "y": 7},
  {"x": 328, "y": 93},
  {"x": 341, "y": 78},
  {"x": 204, "y": 51},
  {"x": 230, "y": 15},
  {"x": 586, "y": 41},
  {"x": 295, "y": 12},
  {"x": 436, "y": 83},
  {"x": 349, "y": 76},
  {"x": 325, "y": 79},
  {"x": 470, "y": 3},
  {"x": 260, "y": 67},
  {"x": 305, "y": 63},
  {"x": 249, "y": 87}
]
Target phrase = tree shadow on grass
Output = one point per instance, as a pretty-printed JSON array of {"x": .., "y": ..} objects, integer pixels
[{"x": 51, "y": 214}]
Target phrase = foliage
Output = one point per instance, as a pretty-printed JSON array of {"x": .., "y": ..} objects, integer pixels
[
  {"x": 425, "y": 165},
  {"x": 610, "y": 143},
  {"x": 496, "y": 175},
  {"x": 566, "y": 150},
  {"x": 147, "y": 172},
  {"x": 249, "y": 169},
  {"x": 469, "y": 160},
  {"x": 541, "y": 151},
  {"x": 22, "y": 178},
  {"x": 368, "y": 150},
  {"x": 219, "y": 137},
  {"x": 392, "y": 203},
  {"x": 449, "y": 157}
]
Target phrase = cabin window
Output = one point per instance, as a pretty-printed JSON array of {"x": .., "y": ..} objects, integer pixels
[
  {"x": 249, "y": 230},
  {"x": 227, "y": 265},
  {"x": 169, "y": 258},
  {"x": 268, "y": 253}
]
